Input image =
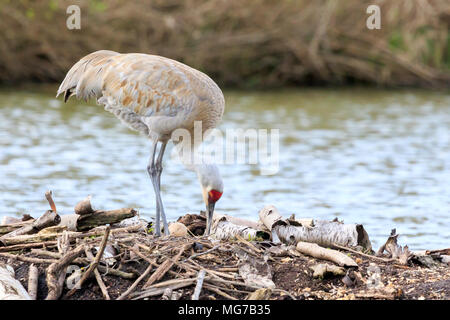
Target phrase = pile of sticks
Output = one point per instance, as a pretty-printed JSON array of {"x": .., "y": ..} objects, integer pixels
[
  {"x": 69, "y": 256},
  {"x": 165, "y": 265}
]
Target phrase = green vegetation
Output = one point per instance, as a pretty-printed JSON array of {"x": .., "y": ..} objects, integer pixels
[{"x": 260, "y": 43}]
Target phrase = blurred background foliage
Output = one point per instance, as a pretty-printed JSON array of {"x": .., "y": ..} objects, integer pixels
[{"x": 257, "y": 43}]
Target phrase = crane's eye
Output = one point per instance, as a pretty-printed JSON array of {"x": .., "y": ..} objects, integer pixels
[{"x": 214, "y": 195}]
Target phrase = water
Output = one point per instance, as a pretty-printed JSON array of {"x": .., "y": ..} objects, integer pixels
[{"x": 380, "y": 158}]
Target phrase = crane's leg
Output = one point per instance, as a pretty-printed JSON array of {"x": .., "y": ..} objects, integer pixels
[
  {"x": 154, "y": 169},
  {"x": 151, "y": 169},
  {"x": 159, "y": 169}
]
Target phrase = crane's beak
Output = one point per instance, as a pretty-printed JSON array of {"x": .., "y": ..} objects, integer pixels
[{"x": 209, "y": 217}]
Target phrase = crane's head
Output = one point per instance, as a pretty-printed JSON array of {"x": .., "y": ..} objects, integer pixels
[{"x": 212, "y": 189}]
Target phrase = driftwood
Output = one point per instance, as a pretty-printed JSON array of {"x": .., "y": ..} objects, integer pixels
[
  {"x": 48, "y": 219},
  {"x": 84, "y": 206},
  {"x": 10, "y": 288},
  {"x": 31, "y": 226},
  {"x": 444, "y": 252},
  {"x": 224, "y": 229},
  {"x": 7, "y": 228},
  {"x": 85, "y": 222},
  {"x": 28, "y": 225},
  {"x": 33, "y": 239},
  {"x": 33, "y": 277},
  {"x": 316, "y": 251},
  {"x": 395, "y": 251},
  {"x": 324, "y": 233}
]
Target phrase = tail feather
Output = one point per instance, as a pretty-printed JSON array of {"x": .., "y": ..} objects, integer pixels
[{"x": 83, "y": 78}]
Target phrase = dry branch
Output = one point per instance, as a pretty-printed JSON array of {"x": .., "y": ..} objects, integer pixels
[
  {"x": 56, "y": 273},
  {"x": 134, "y": 285},
  {"x": 33, "y": 277},
  {"x": 87, "y": 221},
  {"x": 48, "y": 219},
  {"x": 27, "y": 259},
  {"x": 7, "y": 228},
  {"x": 314, "y": 250},
  {"x": 27, "y": 246},
  {"x": 159, "y": 289},
  {"x": 165, "y": 266},
  {"x": 94, "y": 264},
  {"x": 395, "y": 251}
]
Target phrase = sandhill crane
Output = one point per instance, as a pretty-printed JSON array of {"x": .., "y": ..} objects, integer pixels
[{"x": 155, "y": 96}]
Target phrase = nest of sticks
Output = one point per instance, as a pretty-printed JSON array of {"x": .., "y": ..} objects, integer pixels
[{"x": 116, "y": 256}]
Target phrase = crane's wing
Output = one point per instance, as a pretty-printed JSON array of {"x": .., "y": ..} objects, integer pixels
[
  {"x": 143, "y": 90},
  {"x": 77, "y": 73}
]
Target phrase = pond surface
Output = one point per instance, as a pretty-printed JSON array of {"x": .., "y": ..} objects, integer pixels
[{"x": 380, "y": 158}]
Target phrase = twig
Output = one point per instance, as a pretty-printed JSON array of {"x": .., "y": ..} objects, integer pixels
[
  {"x": 153, "y": 263},
  {"x": 248, "y": 244},
  {"x": 214, "y": 272},
  {"x": 56, "y": 255},
  {"x": 227, "y": 269},
  {"x": 98, "y": 276},
  {"x": 158, "y": 290},
  {"x": 115, "y": 272},
  {"x": 93, "y": 265},
  {"x": 198, "y": 286},
  {"x": 234, "y": 290},
  {"x": 363, "y": 254},
  {"x": 27, "y": 245},
  {"x": 28, "y": 259},
  {"x": 201, "y": 253},
  {"x": 133, "y": 286},
  {"x": 218, "y": 291},
  {"x": 164, "y": 267}
]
